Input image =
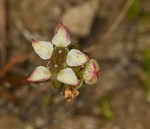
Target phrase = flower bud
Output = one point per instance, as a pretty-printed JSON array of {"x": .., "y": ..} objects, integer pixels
[{"x": 91, "y": 72}]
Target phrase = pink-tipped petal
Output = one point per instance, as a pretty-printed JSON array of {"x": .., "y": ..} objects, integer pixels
[
  {"x": 67, "y": 76},
  {"x": 61, "y": 37},
  {"x": 41, "y": 73},
  {"x": 76, "y": 58},
  {"x": 91, "y": 72},
  {"x": 43, "y": 49}
]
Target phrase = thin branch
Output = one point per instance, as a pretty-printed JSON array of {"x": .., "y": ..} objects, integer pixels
[
  {"x": 15, "y": 60},
  {"x": 2, "y": 32}
]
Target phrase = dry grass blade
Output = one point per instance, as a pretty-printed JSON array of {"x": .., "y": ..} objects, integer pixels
[
  {"x": 118, "y": 20},
  {"x": 114, "y": 25}
]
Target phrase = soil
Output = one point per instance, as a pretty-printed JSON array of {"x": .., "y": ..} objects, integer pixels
[{"x": 117, "y": 101}]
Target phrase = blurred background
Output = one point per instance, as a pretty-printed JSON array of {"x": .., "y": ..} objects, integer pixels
[{"x": 114, "y": 32}]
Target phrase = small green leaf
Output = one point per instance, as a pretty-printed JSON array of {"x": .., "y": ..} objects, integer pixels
[
  {"x": 134, "y": 10},
  {"x": 107, "y": 111}
]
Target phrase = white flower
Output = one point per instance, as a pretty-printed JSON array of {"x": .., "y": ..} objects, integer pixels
[{"x": 45, "y": 50}]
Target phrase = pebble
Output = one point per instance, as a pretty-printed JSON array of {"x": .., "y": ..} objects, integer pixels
[{"x": 79, "y": 19}]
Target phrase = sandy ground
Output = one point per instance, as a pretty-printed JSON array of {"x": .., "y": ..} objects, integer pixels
[{"x": 117, "y": 101}]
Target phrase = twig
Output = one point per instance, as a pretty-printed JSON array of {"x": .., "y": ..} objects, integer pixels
[
  {"x": 15, "y": 60},
  {"x": 2, "y": 32}
]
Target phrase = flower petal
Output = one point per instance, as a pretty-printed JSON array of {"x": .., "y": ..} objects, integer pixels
[
  {"x": 67, "y": 76},
  {"x": 41, "y": 73},
  {"x": 43, "y": 49},
  {"x": 76, "y": 58},
  {"x": 91, "y": 72},
  {"x": 61, "y": 37}
]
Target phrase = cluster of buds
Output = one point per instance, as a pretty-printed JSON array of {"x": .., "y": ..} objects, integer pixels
[{"x": 68, "y": 67}]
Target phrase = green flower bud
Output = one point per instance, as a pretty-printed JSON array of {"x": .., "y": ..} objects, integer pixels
[{"x": 91, "y": 72}]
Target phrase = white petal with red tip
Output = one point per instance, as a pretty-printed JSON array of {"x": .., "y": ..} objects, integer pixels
[
  {"x": 43, "y": 49},
  {"x": 41, "y": 73},
  {"x": 76, "y": 58},
  {"x": 61, "y": 37},
  {"x": 67, "y": 76}
]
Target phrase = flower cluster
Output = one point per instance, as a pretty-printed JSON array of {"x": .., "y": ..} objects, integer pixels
[{"x": 68, "y": 67}]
